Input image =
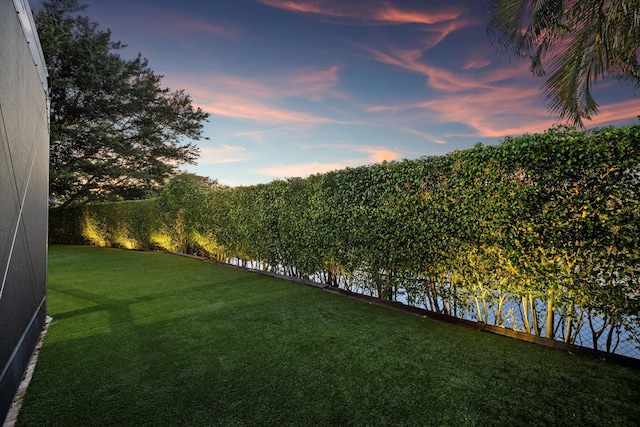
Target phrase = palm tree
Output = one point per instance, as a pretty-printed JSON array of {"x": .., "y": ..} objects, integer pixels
[{"x": 575, "y": 42}]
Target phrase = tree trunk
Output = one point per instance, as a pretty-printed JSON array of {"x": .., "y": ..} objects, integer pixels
[
  {"x": 550, "y": 319},
  {"x": 534, "y": 316},
  {"x": 475, "y": 298},
  {"x": 525, "y": 315},
  {"x": 567, "y": 334},
  {"x": 499, "y": 320}
]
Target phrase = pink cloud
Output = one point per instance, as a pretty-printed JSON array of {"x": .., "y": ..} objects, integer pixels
[
  {"x": 388, "y": 108},
  {"x": 379, "y": 13},
  {"x": 489, "y": 111},
  {"x": 308, "y": 82},
  {"x": 493, "y": 100},
  {"x": 201, "y": 26},
  {"x": 624, "y": 110},
  {"x": 263, "y": 99},
  {"x": 313, "y": 77},
  {"x": 375, "y": 155},
  {"x": 475, "y": 64},
  {"x": 424, "y": 135},
  {"x": 513, "y": 109},
  {"x": 301, "y": 170},
  {"x": 494, "y": 113},
  {"x": 245, "y": 108},
  {"x": 393, "y": 15},
  {"x": 207, "y": 85},
  {"x": 223, "y": 154},
  {"x": 437, "y": 78},
  {"x": 259, "y": 135},
  {"x": 440, "y": 32},
  {"x": 303, "y": 7},
  {"x": 311, "y": 82}
]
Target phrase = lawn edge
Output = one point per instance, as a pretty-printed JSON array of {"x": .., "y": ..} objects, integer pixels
[{"x": 16, "y": 405}]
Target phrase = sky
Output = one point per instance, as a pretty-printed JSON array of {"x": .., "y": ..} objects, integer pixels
[{"x": 297, "y": 87}]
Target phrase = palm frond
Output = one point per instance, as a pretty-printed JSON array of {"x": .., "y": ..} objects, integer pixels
[{"x": 577, "y": 42}]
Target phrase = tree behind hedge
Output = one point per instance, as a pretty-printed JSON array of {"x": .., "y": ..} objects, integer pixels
[{"x": 116, "y": 133}]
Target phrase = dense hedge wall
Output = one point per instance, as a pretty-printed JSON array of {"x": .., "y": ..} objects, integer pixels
[
  {"x": 540, "y": 233},
  {"x": 129, "y": 225}
]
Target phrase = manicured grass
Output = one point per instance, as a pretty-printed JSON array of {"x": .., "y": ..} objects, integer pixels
[{"x": 157, "y": 339}]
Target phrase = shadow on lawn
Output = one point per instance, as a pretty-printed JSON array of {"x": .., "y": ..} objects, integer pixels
[{"x": 119, "y": 309}]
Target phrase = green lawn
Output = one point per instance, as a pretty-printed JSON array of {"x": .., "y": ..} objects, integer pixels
[{"x": 155, "y": 339}]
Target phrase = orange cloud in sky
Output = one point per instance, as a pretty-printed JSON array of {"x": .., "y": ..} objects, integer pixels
[
  {"x": 393, "y": 15},
  {"x": 380, "y": 13},
  {"x": 303, "y": 7},
  {"x": 378, "y": 154}
]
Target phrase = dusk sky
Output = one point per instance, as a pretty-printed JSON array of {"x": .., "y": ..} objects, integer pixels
[{"x": 296, "y": 87}]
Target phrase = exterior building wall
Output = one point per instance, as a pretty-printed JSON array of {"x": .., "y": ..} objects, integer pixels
[{"x": 24, "y": 170}]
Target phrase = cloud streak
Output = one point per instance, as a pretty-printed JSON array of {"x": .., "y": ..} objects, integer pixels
[
  {"x": 244, "y": 108},
  {"x": 223, "y": 154},
  {"x": 308, "y": 82},
  {"x": 378, "y": 154},
  {"x": 489, "y": 113},
  {"x": 382, "y": 13},
  {"x": 439, "y": 78},
  {"x": 166, "y": 23},
  {"x": 618, "y": 111},
  {"x": 204, "y": 27},
  {"x": 302, "y": 170},
  {"x": 296, "y": 87},
  {"x": 264, "y": 99},
  {"x": 374, "y": 155}
]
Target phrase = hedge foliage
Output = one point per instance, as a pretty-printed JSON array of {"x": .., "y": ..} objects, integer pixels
[{"x": 540, "y": 233}]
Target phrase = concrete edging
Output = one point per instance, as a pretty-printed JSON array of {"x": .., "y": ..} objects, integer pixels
[{"x": 14, "y": 410}]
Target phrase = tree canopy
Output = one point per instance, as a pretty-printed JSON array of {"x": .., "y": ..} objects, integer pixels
[
  {"x": 575, "y": 43},
  {"x": 116, "y": 133}
]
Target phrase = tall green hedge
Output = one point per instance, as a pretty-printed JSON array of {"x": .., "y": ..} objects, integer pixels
[
  {"x": 540, "y": 233},
  {"x": 129, "y": 225}
]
